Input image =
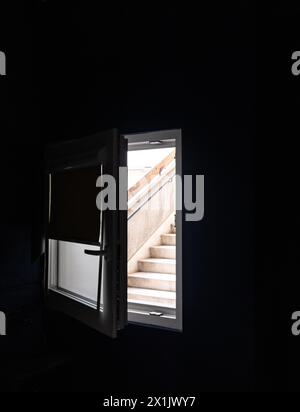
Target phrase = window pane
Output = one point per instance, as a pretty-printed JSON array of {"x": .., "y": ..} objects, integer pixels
[{"x": 74, "y": 272}]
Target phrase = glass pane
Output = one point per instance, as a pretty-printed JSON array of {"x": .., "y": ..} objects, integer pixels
[{"x": 74, "y": 272}]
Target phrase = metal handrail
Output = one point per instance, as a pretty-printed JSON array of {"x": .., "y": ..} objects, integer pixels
[
  {"x": 169, "y": 180},
  {"x": 155, "y": 171}
]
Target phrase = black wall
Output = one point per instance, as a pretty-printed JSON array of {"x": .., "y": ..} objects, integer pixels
[{"x": 75, "y": 70}]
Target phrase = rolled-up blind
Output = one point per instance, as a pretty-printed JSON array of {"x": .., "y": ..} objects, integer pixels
[{"x": 73, "y": 213}]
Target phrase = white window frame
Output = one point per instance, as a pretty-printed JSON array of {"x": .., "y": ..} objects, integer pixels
[
  {"x": 109, "y": 148},
  {"x": 142, "y": 314}
]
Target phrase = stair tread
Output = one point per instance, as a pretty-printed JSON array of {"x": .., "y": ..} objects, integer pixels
[
  {"x": 168, "y": 247},
  {"x": 154, "y": 276},
  {"x": 168, "y": 239},
  {"x": 163, "y": 252},
  {"x": 152, "y": 293},
  {"x": 159, "y": 260}
]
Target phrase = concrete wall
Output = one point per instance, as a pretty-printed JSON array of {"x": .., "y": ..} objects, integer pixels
[{"x": 147, "y": 220}]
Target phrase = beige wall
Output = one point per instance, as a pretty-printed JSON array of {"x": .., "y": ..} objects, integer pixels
[{"x": 148, "y": 219}]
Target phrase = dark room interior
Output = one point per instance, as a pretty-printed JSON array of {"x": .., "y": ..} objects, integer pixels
[{"x": 79, "y": 68}]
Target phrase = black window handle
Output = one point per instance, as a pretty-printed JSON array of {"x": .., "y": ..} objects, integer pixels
[
  {"x": 98, "y": 253},
  {"x": 95, "y": 252}
]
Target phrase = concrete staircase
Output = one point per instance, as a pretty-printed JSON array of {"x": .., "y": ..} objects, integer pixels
[{"x": 155, "y": 282}]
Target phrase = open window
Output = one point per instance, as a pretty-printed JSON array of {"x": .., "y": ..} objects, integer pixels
[
  {"x": 154, "y": 229},
  {"x": 103, "y": 265}
]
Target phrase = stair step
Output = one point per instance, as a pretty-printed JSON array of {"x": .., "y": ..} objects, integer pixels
[
  {"x": 165, "y": 252},
  {"x": 157, "y": 265},
  {"x": 152, "y": 297},
  {"x": 169, "y": 239},
  {"x": 148, "y": 280}
]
